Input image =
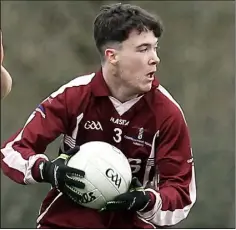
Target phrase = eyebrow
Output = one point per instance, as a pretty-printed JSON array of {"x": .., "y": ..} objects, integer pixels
[{"x": 146, "y": 44}]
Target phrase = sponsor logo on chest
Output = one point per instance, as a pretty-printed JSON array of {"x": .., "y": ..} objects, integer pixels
[
  {"x": 138, "y": 139},
  {"x": 119, "y": 121}
]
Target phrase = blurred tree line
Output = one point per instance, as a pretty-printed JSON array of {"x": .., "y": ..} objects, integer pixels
[{"x": 48, "y": 43}]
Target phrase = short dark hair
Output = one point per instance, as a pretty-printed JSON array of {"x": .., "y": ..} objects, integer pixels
[{"x": 114, "y": 23}]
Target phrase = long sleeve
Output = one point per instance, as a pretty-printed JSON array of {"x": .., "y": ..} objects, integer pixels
[
  {"x": 26, "y": 148},
  {"x": 176, "y": 192},
  {"x": 22, "y": 153}
]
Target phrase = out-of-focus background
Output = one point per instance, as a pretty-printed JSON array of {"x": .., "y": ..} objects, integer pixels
[{"x": 48, "y": 43}]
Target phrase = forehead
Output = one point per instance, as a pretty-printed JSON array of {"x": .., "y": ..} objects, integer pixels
[{"x": 135, "y": 38}]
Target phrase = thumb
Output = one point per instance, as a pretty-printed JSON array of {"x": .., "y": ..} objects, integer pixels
[
  {"x": 135, "y": 183},
  {"x": 72, "y": 151},
  {"x": 64, "y": 157}
]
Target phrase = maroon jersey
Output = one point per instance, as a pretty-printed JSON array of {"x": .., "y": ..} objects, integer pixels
[{"x": 150, "y": 130}]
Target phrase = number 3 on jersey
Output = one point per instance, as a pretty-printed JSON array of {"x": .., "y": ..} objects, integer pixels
[{"x": 117, "y": 136}]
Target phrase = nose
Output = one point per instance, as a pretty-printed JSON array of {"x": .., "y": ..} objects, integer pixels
[{"x": 154, "y": 60}]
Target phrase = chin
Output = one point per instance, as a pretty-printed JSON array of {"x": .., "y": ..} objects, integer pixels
[{"x": 145, "y": 88}]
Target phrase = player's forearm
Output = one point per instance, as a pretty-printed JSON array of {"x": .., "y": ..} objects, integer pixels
[
  {"x": 18, "y": 160},
  {"x": 17, "y": 163},
  {"x": 6, "y": 82},
  {"x": 174, "y": 198},
  {"x": 21, "y": 152},
  {"x": 172, "y": 205}
]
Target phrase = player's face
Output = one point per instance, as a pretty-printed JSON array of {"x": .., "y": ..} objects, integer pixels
[{"x": 138, "y": 60}]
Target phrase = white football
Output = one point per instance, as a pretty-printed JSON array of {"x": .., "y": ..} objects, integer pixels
[{"x": 107, "y": 173}]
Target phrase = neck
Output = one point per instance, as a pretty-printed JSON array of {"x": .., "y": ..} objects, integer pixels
[{"x": 117, "y": 88}]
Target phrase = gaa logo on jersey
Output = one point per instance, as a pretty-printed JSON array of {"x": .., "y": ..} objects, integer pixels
[{"x": 93, "y": 125}]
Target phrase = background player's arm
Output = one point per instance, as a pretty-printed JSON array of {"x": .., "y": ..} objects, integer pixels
[
  {"x": 6, "y": 80},
  {"x": 177, "y": 191},
  {"x": 23, "y": 152}
]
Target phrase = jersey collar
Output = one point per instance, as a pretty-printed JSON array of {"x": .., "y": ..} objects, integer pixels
[{"x": 99, "y": 86}]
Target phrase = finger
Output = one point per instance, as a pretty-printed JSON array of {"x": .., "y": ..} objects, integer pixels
[
  {"x": 72, "y": 195},
  {"x": 103, "y": 209},
  {"x": 75, "y": 172},
  {"x": 75, "y": 183},
  {"x": 135, "y": 183},
  {"x": 73, "y": 151},
  {"x": 115, "y": 206},
  {"x": 60, "y": 160},
  {"x": 124, "y": 197},
  {"x": 106, "y": 208}
]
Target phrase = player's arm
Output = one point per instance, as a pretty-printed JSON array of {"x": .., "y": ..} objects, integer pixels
[
  {"x": 177, "y": 190},
  {"x": 22, "y": 156},
  {"x": 171, "y": 202},
  {"x": 6, "y": 82}
]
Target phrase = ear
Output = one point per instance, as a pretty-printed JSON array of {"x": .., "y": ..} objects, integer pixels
[{"x": 111, "y": 56}]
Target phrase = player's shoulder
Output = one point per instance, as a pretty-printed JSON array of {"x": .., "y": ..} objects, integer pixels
[
  {"x": 75, "y": 84},
  {"x": 167, "y": 104},
  {"x": 81, "y": 80}
]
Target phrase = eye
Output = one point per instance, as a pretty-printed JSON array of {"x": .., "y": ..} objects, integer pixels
[{"x": 143, "y": 50}]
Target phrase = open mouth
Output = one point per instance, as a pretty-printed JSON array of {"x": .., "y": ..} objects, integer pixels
[{"x": 151, "y": 75}]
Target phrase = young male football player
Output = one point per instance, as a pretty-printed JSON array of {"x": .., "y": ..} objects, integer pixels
[
  {"x": 123, "y": 104},
  {"x": 6, "y": 80}
]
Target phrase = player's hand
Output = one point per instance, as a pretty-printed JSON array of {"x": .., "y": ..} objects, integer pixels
[
  {"x": 2, "y": 51},
  {"x": 61, "y": 176},
  {"x": 136, "y": 199}
]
